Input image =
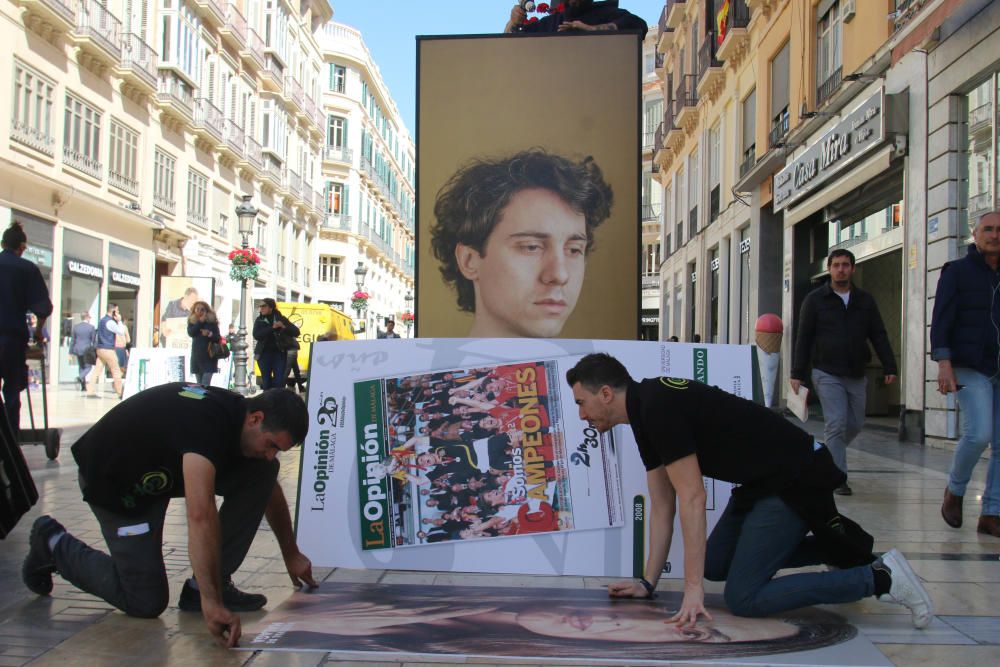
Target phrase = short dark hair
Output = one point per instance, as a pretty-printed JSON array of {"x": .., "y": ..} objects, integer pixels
[
  {"x": 269, "y": 302},
  {"x": 14, "y": 236},
  {"x": 596, "y": 370},
  {"x": 840, "y": 252},
  {"x": 471, "y": 203},
  {"x": 283, "y": 411}
]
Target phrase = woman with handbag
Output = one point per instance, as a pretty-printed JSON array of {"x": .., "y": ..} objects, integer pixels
[
  {"x": 203, "y": 327},
  {"x": 275, "y": 335}
]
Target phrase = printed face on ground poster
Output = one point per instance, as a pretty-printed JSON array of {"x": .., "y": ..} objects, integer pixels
[
  {"x": 470, "y": 455},
  {"x": 177, "y": 295},
  {"x": 548, "y": 624},
  {"x": 528, "y": 186}
]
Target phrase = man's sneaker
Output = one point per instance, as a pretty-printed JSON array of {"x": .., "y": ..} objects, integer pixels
[
  {"x": 38, "y": 564},
  {"x": 906, "y": 588},
  {"x": 232, "y": 598},
  {"x": 844, "y": 490}
]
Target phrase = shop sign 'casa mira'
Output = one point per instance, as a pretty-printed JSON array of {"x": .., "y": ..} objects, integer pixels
[{"x": 860, "y": 131}]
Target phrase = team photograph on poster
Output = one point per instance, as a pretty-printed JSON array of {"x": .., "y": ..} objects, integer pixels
[{"x": 466, "y": 454}]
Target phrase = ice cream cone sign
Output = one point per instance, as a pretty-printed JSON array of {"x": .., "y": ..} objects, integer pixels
[{"x": 769, "y": 329}]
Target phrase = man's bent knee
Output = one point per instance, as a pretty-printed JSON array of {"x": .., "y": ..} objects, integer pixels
[
  {"x": 150, "y": 606},
  {"x": 741, "y": 602}
]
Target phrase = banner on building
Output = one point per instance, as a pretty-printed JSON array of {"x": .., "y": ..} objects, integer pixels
[
  {"x": 469, "y": 455},
  {"x": 527, "y": 224}
]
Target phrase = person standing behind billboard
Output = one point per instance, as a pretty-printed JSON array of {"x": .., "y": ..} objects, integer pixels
[
  {"x": 513, "y": 235},
  {"x": 275, "y": 335},
  {"x": 577, "y": 15}
]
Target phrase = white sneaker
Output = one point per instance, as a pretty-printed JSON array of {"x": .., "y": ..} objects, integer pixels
[{"x": 907, "y": 590}]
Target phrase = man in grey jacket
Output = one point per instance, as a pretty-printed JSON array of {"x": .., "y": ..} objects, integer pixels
[{"x": 83, "y": 338}]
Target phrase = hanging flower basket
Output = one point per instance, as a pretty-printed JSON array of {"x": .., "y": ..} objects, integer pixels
[
  {"x": 359, "y": 300},
  {"x": 406, "y": 318},
  {"x": 244, "y": 264}
]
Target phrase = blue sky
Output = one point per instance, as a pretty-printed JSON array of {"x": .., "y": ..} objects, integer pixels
[{"x": 389, "y": 28}]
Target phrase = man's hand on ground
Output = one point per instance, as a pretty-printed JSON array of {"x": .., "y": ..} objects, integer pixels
[
  {"x": 627, "y": 589},
  {"x": 692, "y": 606},
  {"x": 223, "y": 625},
  {"x": 300, "y": 570}
]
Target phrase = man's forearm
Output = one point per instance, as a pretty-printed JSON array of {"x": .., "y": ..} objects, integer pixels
[
  {"x": 204, "y": 550},
  {"x": 280, "y": 521},
  {"x": 693, "y": 528},
  {"x": 661, "y": 520}
]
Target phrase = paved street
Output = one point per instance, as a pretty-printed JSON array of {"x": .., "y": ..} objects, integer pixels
[{"x": 897, "y": 494}]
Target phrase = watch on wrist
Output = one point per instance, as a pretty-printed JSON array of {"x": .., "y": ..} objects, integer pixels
[{"x": 648, "y": 586}]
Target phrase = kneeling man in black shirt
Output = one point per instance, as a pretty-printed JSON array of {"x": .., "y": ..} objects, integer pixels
[
  {"x": 178, "y": 441},
  {"x": 685, "y": 429}
]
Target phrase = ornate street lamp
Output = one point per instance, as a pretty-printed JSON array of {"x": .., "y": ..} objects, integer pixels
[
  {"x": 246, "y": 216},
  {"x": 360, "y": 304},
  {"x": 409, "y": 312}
]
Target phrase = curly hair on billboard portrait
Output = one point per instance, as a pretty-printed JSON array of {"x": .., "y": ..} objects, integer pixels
[
  {"x": 548, "y": 207},
  {"x": 536, "y": 623}
]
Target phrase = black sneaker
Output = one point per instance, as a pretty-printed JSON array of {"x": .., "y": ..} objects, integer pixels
[
  {"x": 844, "y": 490},
  {"x": 38, "y": 567},
  {"x": 233, "y": 598}
]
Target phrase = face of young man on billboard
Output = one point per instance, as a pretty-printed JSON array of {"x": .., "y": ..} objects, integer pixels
[{"x": 528, "y": 278}]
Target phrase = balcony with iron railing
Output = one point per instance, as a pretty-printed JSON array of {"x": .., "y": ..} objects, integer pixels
[
  {"x": 272, "y": 74},
  {"x": 253, "y": 155},
  {"x": 273, "y": 172},
  {"x": 208, "y": 121},
  {"x": 32, "y": 137},
  {"x": 980, "y": 120},
  {"x": 83, "y": 162},
  {"x": 979, "y": 204},
  {"x": 658, "y": 146},
  {"x": 295, "y": 184},
  {"x": 649, "y": 140},
  {"x": 710, "y": 72},
  {"x": 197, "y": 218},
  {"x": 675, "y": 13},
  {"x": 749, "y": 160},
  {"x": 736, "y": 37},
  {"x": 664, "y": 33},
  {"x": 97, "y": 33},
  {"x": 650, "y": 212},
  {"x": 123, "y": 182},
  {"x": 673, "y": 134},
  {"x": 234, "y": 30},
  {"x": 211, "y": 11},
  {"x": 253, "y": 53},
  {"x": 779, "y": 129},
  {"x": 173, "y": 96},
  {"x": 658, "y": 61},
  {"x": 164, "y": 203},
  {"x": 138, "y": 64},
  {"x": 293, "y": 94},
  {"x": 307, "y": 194},
  {"x": 828, "y": 87},
  {"x": 234, "y": 139},
  {"x": 49, "y": 16},
  {"x": 685, "y": 100},
  {"x": 905, "y": 12}
]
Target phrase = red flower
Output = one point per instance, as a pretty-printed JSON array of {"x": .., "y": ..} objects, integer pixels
[
  {"x": 543, "y": 8},
  {"x": 561, "y": 7},
  {"x": 533, "y": 19}
]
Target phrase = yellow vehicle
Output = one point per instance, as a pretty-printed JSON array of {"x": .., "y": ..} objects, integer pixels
[{"x": 313, "y": 321}]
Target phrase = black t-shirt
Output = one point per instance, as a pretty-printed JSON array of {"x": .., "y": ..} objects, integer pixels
[
  {"x": 735, "y": 440},
  {"x": 132, "y": 457}
]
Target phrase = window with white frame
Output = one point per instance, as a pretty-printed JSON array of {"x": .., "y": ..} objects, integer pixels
[
  {"x": 122, "y": 168},
  {"x": 34, "y": 98},
  {"x": 262, "y": 242},
  {"x": 82, "y": 136},
  {"x": 668, "y": 211},
  {"x": 714, "y": 171},
  {"x": 336, "y": 134},
  {"x": 335, "y": 198},
  {"x": 164, "y": 166},
  {"x": 338, "y": 78},
  {"x": 694, "y": 192},
  {"x": 180, "y": 37},
  {"x": 197, "y": 199},
  {"x": 330, "y": 268},
  {"x": 828, "y": 57}
]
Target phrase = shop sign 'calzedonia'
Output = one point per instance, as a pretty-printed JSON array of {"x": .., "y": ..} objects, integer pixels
[{"x": 859, "y": 132}]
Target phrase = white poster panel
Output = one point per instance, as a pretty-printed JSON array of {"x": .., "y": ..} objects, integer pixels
[
  {"x": 153, "y": 366},
  {"x": 338, "y": 513}
]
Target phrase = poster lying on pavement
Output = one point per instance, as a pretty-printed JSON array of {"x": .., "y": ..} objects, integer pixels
[
  {"x": 546, "y": 626},
  {"x": 470, "y": 455}
]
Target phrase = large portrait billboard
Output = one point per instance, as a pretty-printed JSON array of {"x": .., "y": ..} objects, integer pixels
[{"x": 528, "y": 186}]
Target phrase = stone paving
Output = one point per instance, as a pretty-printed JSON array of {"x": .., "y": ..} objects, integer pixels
[{"x": 897, "y": 494}]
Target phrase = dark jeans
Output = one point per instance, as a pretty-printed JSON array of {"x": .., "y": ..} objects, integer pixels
[
  {"x": 14, "y": 377},
  {"x": 133, "y": 577},
  {"x": 746, "y": 550},
  {"x": 272, "y": 369}
]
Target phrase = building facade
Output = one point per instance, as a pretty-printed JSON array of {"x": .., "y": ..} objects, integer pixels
[
  {"x": 652, "y": 191},
  {"x": 368, "y": 171}
]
